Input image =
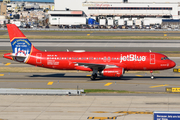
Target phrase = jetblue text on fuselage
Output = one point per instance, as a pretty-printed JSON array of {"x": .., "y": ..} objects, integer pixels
[{"x": 132, "y": 57}]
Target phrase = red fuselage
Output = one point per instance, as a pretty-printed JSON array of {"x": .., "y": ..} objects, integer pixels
[
  {"x": 126, "y": 60},
  {"x": 110, "y": 64}
]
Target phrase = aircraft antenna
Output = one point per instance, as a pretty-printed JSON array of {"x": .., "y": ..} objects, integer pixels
[
  {"x": 67, "y": 50},
  {"x": 149, "y": 50}
]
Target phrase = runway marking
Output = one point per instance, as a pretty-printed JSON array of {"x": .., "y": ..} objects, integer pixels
[
  {"x": 165, "y": 35},
  {"x": 7, "y": 64},
  {"x": 50, "y": 83},
  {"x": 101, "y": 118},
  {"x": 107, "y": 84},
  {"x": 88, "y": 75},
  {"x": 158, "y": 86},
  {"x": 134, "y": 112},
  {"x": 1, "y": 74},
  {"x": 139, "y": 75},
  {"x": 88, "y": 34}
]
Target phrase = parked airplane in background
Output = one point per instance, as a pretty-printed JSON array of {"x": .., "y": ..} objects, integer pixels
[{"x": 110, "y": 64}]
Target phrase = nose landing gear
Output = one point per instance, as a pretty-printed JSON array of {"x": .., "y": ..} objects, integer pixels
[{"x": 152, "y": 76}]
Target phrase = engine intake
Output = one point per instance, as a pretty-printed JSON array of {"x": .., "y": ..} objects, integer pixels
[{"x": 113, "y": 72}]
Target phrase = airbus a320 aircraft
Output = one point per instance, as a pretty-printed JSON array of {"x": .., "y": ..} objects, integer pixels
[{"x": 110, "y": 64}]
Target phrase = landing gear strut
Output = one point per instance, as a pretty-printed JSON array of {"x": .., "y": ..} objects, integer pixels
[
  {"x": 94, "y": 74},
  {"x": 152, "y": 76}
]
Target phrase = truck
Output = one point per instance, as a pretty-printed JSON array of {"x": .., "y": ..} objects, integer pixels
[
  {"x": 68, "y": 21},
  {"x": 17, "y": 23},
  {"x": 120, "y": 23},
  {"x": 146, "y": 23},
  {"x": 129, "y": 23},
  {"x": 102, "y": 23},
  {"x": 110, "y": 23},
  {"x": 92, "y": 23},
  {"x": 137, "y": 23}
]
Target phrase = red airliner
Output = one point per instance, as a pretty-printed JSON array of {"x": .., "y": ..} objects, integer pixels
[{"x": 110, "y": 64}]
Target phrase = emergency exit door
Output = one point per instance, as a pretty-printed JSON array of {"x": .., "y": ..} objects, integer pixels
[
  {"x": 152, "y": 58},
  {"x": 38, "y": 58}
]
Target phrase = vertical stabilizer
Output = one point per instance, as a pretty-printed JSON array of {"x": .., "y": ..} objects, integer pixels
[{"x": 21, "y": 46}]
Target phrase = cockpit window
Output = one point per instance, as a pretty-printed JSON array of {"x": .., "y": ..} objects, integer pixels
[{"x": 165, "y": 58}]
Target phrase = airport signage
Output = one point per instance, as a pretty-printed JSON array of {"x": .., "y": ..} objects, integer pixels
[
  {"x": 172, "y": 89},
  {"x": 176, "y": 70},
  {"x": 166, "y": 115}
]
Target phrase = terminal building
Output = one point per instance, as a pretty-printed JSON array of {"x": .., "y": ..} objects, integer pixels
[{"x": 116, "y": 9}]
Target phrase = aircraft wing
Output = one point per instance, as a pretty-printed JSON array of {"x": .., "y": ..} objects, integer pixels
[{"x": 97, "y": 66}]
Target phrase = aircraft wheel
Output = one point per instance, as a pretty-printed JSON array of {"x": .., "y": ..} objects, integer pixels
[{"x": 93, "y": 77}]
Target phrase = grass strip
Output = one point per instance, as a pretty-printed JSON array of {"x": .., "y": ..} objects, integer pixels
[
  {"x": 120, "y": 91},
  {"x": 100, "y": 37},
  {"x": 104, "y": 91}
]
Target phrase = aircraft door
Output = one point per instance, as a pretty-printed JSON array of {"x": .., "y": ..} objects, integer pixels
[
  {"x": 38, "y": 58},
  {"x": 152, "y": 58}
]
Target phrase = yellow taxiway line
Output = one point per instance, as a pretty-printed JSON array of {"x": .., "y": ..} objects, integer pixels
[
  {"x": 1, "y": 74},
  {"x": 88, "y": 75},
  {"x": 139, "y": 75},
  {"x": 50, "y": 83},
  {"x": 107, "y": 84},
  {"x": 134, "y": 112},
  {"x": 158, "y": 86},
  {"x": 101, "y": 118},
  {"x": 7, "y": 64}
]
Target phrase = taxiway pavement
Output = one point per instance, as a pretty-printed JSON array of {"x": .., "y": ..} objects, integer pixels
[
  {"x": 96, "y": 33},
  {"x": 99, "y": 45},
  {"x": 22, "y": 107},
  {"x": 139, "y": 81}
]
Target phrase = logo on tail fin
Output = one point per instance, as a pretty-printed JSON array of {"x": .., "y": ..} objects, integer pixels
[{"x": 21, "y": 47}]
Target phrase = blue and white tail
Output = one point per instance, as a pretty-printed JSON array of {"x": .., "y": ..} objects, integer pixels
[{"x": 21, "y": 46}]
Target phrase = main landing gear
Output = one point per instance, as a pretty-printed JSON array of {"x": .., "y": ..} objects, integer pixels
[
  {"x": 152, "y": 76},
  {"x": 94, "y": 74}
]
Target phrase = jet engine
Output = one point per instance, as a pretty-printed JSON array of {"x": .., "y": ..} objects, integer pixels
[{"x": 113, "y": 72}]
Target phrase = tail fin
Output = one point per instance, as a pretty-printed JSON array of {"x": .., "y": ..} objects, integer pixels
[{"x": 21, "y": 46}]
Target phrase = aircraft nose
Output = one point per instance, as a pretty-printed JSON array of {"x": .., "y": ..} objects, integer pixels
[{"x": 173, "y": 64}]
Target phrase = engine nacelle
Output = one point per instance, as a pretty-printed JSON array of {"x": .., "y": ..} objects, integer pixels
[{"x": 113, "y": 72}]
